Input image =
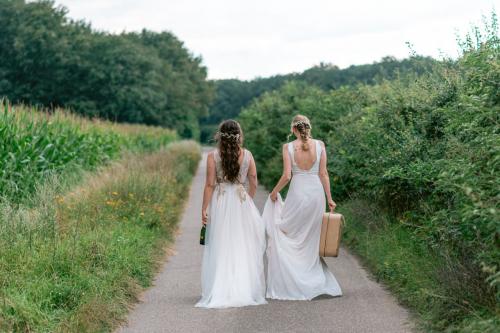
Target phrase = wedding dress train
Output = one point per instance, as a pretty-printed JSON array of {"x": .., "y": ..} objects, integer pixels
[
  {"x": 233, "y": 259},
  {"x": 295, "y": 270}
]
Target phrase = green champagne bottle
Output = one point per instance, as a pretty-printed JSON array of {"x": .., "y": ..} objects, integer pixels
[{"x": 202, "y": 235}]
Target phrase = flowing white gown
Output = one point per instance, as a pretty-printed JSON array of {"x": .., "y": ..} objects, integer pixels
[
  {"x": 295, "y": 270},
  {"x": 233, "y": 258}
]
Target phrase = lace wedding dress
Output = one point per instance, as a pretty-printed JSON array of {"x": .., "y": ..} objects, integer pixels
[
  {"x": 295, "y": 270},
  {"x": 233, "y": 259}
]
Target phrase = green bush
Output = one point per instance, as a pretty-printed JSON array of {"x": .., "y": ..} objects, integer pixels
[{"x": 425, "y": 148}]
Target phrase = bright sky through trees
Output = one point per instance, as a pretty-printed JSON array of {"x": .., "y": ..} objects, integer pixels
[{"x": 245, "y": 39}]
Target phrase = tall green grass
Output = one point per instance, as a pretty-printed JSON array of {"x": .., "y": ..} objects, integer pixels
[
  {"x": 75, "y": 255},
  {"x": 35, "y": 144},
  {"x": 415, "y": 272},
  {"x": 85, "y": 207}
]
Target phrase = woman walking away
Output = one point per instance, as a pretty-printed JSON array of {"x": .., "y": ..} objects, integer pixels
[
  {"x": 233, "y": 259},
  {"x": 295, "y": 270}
]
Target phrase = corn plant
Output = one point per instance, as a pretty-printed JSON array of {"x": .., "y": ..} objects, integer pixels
[{"x": 34, "y": 144}]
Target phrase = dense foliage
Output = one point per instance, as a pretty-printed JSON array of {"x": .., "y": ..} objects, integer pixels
[
  {"x": 233, "y": 95},
  {"x": 34, "y": 145},
  {"x": 425, "y": 149},
  {"x": 145, "y": 77}
]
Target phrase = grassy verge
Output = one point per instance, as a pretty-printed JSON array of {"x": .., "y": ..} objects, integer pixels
[
  {"x": 430, "y": 283},
  {"x": 75, "y": 256}
]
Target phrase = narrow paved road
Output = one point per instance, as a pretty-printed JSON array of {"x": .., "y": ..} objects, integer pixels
[{"x": 168, "y": 306}]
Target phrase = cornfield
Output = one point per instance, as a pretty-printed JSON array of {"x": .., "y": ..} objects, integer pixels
[{"x": 35, "y": 143}]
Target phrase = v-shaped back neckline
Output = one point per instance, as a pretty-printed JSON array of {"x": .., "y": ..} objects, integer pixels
[{"x": 315, "y": 159}]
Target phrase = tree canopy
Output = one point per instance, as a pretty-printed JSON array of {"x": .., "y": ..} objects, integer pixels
[
  {"x": 145, "y": 77},
  {"x": 233, "y": 95}
]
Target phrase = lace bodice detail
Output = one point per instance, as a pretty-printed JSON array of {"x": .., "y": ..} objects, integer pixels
[
  {"x": 314, "y": 170},
  {"x": 243, "y": 167}
]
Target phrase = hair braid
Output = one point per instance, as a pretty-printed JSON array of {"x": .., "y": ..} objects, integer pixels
[{"x": 303, "y": 126}]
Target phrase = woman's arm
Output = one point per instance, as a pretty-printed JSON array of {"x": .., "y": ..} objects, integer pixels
[
  {"x": 285, "y": 177},
  {"x": 209, "y": 187},
  {"x": 252, "y": 176},
  {"x": 325, "y": 179}
]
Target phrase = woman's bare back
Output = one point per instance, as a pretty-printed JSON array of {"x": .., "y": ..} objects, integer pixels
[{"x": 304, "y": 159}]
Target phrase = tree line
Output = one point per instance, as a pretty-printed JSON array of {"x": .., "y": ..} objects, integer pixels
[
  {"x": 50, "y": 60},
  {"x": 145, "y": 77},
  {"x": 233, "y": 95}
]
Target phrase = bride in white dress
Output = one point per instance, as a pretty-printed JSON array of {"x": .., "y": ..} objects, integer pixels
[
  {"x": 235, "y": 243},
  {"x": 295, "y": 270}
]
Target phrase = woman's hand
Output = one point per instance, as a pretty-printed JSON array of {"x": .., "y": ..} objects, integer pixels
[
  {"x": 273, "y": 196},
  {"x": 204, "y": 217},
  {"x": 331, "y": 205}
]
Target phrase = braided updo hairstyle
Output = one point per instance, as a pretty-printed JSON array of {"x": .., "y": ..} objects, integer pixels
[
  {"x": 303, "y": 126},
  {"x": 229, "y": 139}
]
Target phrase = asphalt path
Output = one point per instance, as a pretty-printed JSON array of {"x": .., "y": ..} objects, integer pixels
[{"x": 168, "y": 306}]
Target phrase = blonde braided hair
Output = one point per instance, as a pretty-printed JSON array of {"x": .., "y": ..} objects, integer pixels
[{"x": 303, "y": 125}]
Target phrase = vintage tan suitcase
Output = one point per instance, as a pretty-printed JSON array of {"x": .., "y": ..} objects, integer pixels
[{"x": 331, "y": 233}]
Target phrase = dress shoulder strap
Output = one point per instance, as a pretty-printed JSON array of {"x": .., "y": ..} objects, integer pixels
[
  {"x": 246, "y": 158},
  {"x": 291, "y": 152},
  {"x": 216, "y": 155},
  {"x": 245, "y": 166},
  {"x": 318, "y": 150}
]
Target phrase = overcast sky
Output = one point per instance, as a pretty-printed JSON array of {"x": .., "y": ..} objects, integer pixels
[{"x": 247, "y": 39}]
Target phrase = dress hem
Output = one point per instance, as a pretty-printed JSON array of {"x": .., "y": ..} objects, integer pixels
[
  {"x": 304, "y": 298},
  {"x": 230, "y": 306}
]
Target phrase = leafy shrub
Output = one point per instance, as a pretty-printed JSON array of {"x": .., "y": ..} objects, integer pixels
[{"x": 425, "y": 148}]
